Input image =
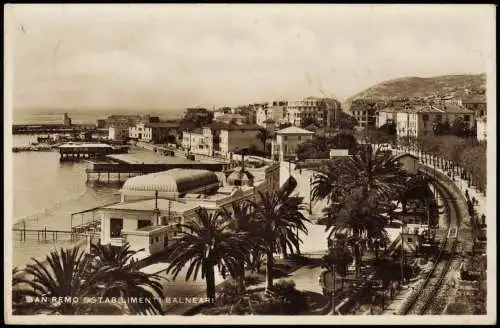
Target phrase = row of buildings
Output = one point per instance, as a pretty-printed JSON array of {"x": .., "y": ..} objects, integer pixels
[
  {"x": 324, "y": 112},
  {"x": 417, "y": 118}
]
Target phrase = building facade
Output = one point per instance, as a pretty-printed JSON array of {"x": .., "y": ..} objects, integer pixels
[
  {"x": 234, "y": 137},
  {"x": 323, "y": 111},
  {"x": 481, "y": 128},
  {"x": 276, "y": 113},
  {"x": 365, "y": 111},
  {"x": 161, "y": 133},
  {"x": 151, "y": 205},
  {"x": 287, "y": 140},
  {"x": 385, "y": 116},
  {"x": 419, "y": 120}
]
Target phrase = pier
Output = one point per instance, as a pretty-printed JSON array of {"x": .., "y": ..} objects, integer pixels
[
  {"x": 118, "y": 167},
  {"x": 55, "y": 128},
  {"x": 75, "y": 151}
]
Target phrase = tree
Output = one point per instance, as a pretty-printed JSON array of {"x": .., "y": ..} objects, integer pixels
[
  {"x": 71, "y": 273},
  {"x": 109, "y": 255},
  {"x": 339, "y": 256},
  {"x": 243, "y": 222},
  {"x": 307, "y": 121},
  {"x": 360, "y": 219},
  {"x": 205, "y": 243},
  {"x": 281, "y": 219},
  {"x": 359, "y": 189}
]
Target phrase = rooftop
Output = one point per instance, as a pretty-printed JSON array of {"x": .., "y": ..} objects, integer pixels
[
  {"x": 452, "y": 108},
  {"x": 164, "y": 205},
  {"x": 149, "y": 157},
  {"x": 172, "y": 181},
  {"x": 294, "y": 130},
  {"x": 84, "y": 144}
]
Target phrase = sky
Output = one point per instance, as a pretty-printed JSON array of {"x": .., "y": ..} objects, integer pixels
[{"x": 176, "y": 56}]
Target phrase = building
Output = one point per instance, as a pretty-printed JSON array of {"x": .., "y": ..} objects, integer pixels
[
  {"x": 118, "y": 126},
  {"x": 477, "y": 105},
  {"x": 101, "y": 124},
  {"x": 287, "y": 140},
  {"x": 152, "y": 205},
  {"x": 323, "y": 111},
  {"x": 365, "y": 111},
  {"x": 481, "y": 128},
  {"x": 204, "y": 141},
  {"x": 141, "y": 129},
  {"x": 161, "y": 133},
  {"x": 419, "y": 120},
  {"x": 385, "y": 116},
  {"x": 276, "y": 113},
  {"x": 67, "y": 120},
  {"x": 237, "y": 137},
  {"x": 219, "y": 139}
]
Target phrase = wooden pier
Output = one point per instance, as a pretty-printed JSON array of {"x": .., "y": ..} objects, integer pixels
[
  {"x": 76, "y": 151},
  {"x": 49, "y": 235},
  {"x": 116, "y": 172}
]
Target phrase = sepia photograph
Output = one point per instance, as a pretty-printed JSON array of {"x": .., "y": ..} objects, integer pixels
[{"x": 249, "y": 163}]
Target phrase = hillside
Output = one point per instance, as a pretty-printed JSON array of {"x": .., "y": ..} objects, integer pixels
[{"x": 418, "y": 87}]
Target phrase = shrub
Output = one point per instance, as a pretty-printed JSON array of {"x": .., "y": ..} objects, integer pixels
[{"x": 285, "y": 299}]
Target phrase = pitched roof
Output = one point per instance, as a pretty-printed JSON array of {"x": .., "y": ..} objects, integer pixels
[
  {"x": 452, "y": 108},
  {"x": 294, "y": 130}
]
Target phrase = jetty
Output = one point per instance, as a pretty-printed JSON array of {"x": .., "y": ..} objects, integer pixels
[
  {"x": 73, "y": 151},
  {"x": 35, "y": 148},
  {"x": 116, "y": 167},
  {"x": 56, "y": 128}
]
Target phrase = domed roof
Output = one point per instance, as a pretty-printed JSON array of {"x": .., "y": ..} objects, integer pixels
[{"x": 174, "y": 180}]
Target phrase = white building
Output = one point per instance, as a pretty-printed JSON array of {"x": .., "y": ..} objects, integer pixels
[
  {"x": 386, "y": 115},
  {"x": 481, "y": 129},
  {"x": 151, "y": 205},
  {"x": 237, "y": 137},
  {"x": 118, "y": 132},
  {"x": 276, "y": 113},
  {"x": 419, "y": 120},
  {"x": 199, "y": 141},
  {"x": 287, "y": 141},
  {"x": 323, "y": 111}
]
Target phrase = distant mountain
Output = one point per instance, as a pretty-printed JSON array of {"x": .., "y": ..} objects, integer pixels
[{"x": 418, "y": 87}]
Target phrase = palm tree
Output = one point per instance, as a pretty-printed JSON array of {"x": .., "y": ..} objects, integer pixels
[
  {"x": 71, "y": 273},
  {"x": 360, "y": 219},
  {"x": 377, "y": 173},
  {"x": 242, "y": 220},
  {"x": 108, "y": 255},
  {"x": 205, "y": 243},
  {"x": 281, "y": 219}
]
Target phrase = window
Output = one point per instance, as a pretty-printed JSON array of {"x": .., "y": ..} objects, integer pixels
[
  {"x": 439, "y": 117},
  {"x": 143, "y": 223},
  {"x": 157, "y": 239},
  {"x": 151, "y": 240},
  {"x": 299, "y": 138},
  {"x": 285, "y": 138},
  {"x": 467, "y": 118},
  {"x": 115, "y": 227},
  {"x": 425, "y": 117}
]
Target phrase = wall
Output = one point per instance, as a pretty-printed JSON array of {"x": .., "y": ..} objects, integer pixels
[
  {"x": 130, "y": 221},
  {"x": 230, "y": 140},
  {"x": 288, "y": 144},
  {"x": 382, "y": 118}
]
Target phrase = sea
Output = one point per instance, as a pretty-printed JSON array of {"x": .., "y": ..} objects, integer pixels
[{"x": 46, "y": 191}]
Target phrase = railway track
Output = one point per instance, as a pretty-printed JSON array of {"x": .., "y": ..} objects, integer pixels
[{"x": 425, "y": 300}]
